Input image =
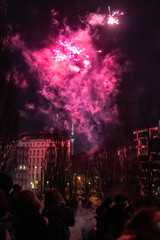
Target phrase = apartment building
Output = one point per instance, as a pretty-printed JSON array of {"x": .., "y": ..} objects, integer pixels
[
  {"x": 32, "y": 155},
  {"x": 147, "y": 143}
]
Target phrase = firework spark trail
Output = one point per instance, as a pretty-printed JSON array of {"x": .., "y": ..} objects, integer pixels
[
  {"x": 76, "y": 83},
  {"x": 113, "y": 16}
]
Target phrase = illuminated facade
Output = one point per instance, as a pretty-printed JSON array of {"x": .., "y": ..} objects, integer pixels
[
  {"x": 147, "y": 143},
  {"x": 32, "y": 155}
]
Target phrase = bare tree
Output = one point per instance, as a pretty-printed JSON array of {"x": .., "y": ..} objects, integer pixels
[
  {"x": 58, "y": 160},
  {"x": 108, "y": 169},
  {"x": 8, "y": 109}
]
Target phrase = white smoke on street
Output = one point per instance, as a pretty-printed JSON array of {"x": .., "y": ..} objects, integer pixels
[{"x": 85, "y": 224}]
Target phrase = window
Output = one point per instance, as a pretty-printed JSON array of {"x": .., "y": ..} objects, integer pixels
[
  {"x": 30, "y": 153},
  {"x": 143, "y": 134},
  {"x": 33, "y": 152},
  {"x": 42, "y": 152},
  {"x": 143, "y": 150},
  {"x": 143, "y": 141},
  {"x": 33, "y": 160},
  {"x": 136, "y": 142},
  {"x": 37, "y": 160},
  {"x": 154, "y": 133},
  {"x": 37, "y": 152}
]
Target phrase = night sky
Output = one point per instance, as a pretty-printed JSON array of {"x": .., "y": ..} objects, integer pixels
[{"x": 137, "y": 36}]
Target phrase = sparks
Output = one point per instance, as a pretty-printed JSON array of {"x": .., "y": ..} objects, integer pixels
[
  {"x": 76, "y": 83},
  {"x": 113, "y": 17},
  {"x": 71, "y": 53}
]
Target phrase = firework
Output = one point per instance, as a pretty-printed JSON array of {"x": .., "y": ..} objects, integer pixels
[
  {"x": 71, "y": 53},
  {"x": 74, "y": 81},
  {"x": 113, "y": 17}
]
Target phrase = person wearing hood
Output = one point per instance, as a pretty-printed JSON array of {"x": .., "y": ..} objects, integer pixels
[
  {"x": 31, "y": 224},
  {"x": 143, "y": 225},
  {"x": 58, "y": 216}
]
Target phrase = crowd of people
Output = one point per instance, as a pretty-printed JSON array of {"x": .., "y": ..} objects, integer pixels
[
  {"x": 22, "y": 216},
  {"x": 117, "y": 219}
]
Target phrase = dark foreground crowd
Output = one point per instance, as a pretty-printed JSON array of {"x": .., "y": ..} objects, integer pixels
[
  {"x": 23, "y": 218},
  {"x": 118, "y": 219}
]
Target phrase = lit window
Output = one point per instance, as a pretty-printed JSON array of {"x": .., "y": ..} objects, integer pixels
[{"x": 20, "y": 167}]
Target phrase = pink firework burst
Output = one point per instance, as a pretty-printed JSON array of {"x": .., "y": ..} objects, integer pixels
[
  {"x": 113, "y": 17},
  {"x": 71, "y": 53},
  {"x": 78, "y": 84}
]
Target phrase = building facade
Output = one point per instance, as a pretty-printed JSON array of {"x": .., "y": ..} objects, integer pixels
[
  {"x": 147, "y": 143},
  {"x": 32, "y": 156}
]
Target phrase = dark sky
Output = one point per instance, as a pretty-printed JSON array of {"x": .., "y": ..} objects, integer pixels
[{"x": 138, "y": 36}]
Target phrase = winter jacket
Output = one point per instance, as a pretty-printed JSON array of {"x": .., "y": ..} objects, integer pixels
[
  {"x": 60, "y": 217},
  {"x": 31, "y": 224},
  {"x": 8, "y": 227}
]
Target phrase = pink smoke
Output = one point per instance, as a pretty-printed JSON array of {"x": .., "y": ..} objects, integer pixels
[
  {"x": 75, "y": 78},
  {"x": 96, "y": 19}
]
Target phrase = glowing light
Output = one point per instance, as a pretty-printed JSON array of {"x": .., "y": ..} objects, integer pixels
[
  {"x": 113, "y": 17},
  {"x": 71, "y": 53},
  {"x": 75, "y": 83}
]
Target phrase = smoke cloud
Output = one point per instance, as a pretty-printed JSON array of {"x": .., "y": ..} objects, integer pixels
[{"x": 74, "y": 80}]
